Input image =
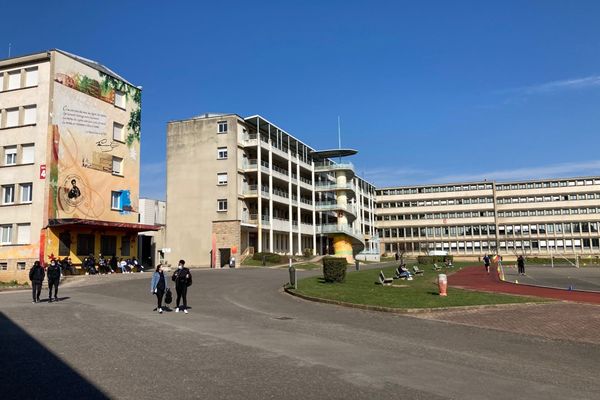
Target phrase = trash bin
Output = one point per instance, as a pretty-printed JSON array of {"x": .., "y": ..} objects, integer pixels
[
  {"x": 442, "y": 284},
  {"x": 293, "y": 282},
  {"x": 357, "y": 265}
]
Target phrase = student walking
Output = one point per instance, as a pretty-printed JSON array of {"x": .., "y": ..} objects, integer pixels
[
  {"x": 182, "y": 278},
  {"x": 36, "y": 276},
  {"x": 486, "y": 262},
  {"x": 521, "y": 265},
  {"x": 53, "y": 280},
  {"x": 158, "y": 286}
]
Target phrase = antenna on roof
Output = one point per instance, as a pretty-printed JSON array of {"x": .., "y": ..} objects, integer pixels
[{"x": 339, "y": 136}]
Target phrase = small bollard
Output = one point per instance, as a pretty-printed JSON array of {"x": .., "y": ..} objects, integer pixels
[
  {"x": 442, "y": 284},
  {"x": 357, "y": 264},
  {"x": 292, "y": 271},
  {"x": 264, "y": 260}
]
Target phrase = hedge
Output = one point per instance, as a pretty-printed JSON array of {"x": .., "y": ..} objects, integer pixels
[
  {"x": 334, "y": 269},
  {"x": 269, "y": 257},
  {"x": 433, "y": 259}
]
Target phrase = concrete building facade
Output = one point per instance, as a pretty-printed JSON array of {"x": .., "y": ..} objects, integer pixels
[
  {"x": 151, "y": 250},
  {"x": 69, "y": 173},
  {"x": 237, "y": 185},
  {"x": 557, "y": 217}
]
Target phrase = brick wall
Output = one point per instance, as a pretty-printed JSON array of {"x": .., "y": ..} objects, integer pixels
[{"x": 228, "y": 236}]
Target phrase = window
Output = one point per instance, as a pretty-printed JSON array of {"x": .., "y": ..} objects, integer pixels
[
  {"x": 85, "y": 244},
  {"x": 21, "y": 266},
  {"x": 8, "y": 194},
  {"x": 26, "y": 192},
  {"x": 222, "y": 178},
  {"x": 23, "y": 234},
  {"x": 118, "y": 132},
  {"x": 119, "y": 99},
  {"x": 30, "y": 115},
  {"x": 12, "y": 117},
  {"x": 27, "y": 154},
  {"x": 115, "y": 201},
  {"x": 108, "y": 245},
  {"x": 125, "y": 246},
  {"x": 222, "y": 126},
  {"x": 14, "y": 80},
  {"x": 31, "y": 77},
  {"x": 3, "y": 266},
  {"x": 222, "y": 153},
  {"x": 10, "y": 155},
  {"x": 222, "y": 205},
  {"x": 117, "y": 165},
  {"x": 64, "y": 244},
  {"x": 5, "y": 234}
]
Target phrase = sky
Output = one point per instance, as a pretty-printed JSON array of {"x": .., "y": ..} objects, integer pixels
[{"x": 426, "y": 91}]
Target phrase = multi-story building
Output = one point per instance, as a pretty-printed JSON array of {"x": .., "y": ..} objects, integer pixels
[
  {"x": 541, "y": 217},
  {"x": 150, "y": 244},
  {"x": 69, "y": 170},
  {"x": 236, "y": 185}
]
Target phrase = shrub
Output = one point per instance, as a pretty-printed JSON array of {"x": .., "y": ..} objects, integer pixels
[
  {"x": 433, "y": 259},
  {"x": 269, "y": 257},
  {"x": 334, "y": 269},
  {"x": 307, "y": 252}
]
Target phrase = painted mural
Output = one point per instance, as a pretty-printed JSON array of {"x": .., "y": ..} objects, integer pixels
[{"x": 88, "y": 163}]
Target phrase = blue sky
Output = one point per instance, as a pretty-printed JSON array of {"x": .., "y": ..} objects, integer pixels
[{"x": 427, "y": 91}]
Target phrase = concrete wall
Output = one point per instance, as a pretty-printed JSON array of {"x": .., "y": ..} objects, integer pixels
[{"x": 192, "y": 190}]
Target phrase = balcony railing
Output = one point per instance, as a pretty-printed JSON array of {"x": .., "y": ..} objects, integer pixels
[
  {"x": 335, "y": 186},
  {"x": 321, "y": 167}
]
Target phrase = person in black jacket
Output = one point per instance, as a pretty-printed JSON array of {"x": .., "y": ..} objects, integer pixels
[
  {"x": 521, "y": 265},
  {"x": 53, "y": 280},
  {"x": 182, "y": 278},
  {"x": 36, "y": 276}
]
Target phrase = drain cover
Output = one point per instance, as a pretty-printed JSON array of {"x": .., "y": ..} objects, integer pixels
[{"x": 284, "y": 318}]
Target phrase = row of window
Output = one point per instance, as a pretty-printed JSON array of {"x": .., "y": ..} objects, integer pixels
[
  {"x": 554, "y": 184},
  {"x": 440, "y": 231},
  {"x": 18, "y": 116},
  {"x": 554, "y": 211},
  {"x": 21, "y": 266},
  {"x": 427, "y": 203},
  {"x": 86, "y": 245},
  {"x": 556, "y": 197},
  {"x": 517, "y": 245},
  {"x": 25, "y": 194},
  {"x": 21, "y": 154},
  {"x": 559, "y": 228},
  {"x": 18, "y": 78},
  {"x": 15, "y": 234},
  {"x": 433, "y": 189},
  {"x": 446, "y": 215}
]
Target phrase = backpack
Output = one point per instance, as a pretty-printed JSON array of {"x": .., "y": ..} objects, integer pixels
[{"x": 168, "y": 296}]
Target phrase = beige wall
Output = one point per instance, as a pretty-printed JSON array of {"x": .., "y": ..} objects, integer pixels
[{"x": 192, "y": 190}]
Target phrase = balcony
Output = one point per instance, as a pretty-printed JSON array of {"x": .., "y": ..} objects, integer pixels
[
  {"x": 332, "y": 187},
  {"x": 333, "y": 206},
  {"x": 249, "y": 165},
  {"x": 250, "y": 140},
  {"x": 340, "y": 228},
  {"x": 334, "y": 167}
]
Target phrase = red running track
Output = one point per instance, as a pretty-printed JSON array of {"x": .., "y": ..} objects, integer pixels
[{"x": 476, "y": 278}]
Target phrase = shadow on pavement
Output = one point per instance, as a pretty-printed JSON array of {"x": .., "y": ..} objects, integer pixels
[{"x": 31, "y": 371}]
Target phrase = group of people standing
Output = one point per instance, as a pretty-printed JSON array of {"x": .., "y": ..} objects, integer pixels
[
  {"x": 37, "y": 275},
  {"x": 159, "y": 286}
]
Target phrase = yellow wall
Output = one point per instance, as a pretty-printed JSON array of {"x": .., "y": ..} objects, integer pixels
[{"x": 52, "y": 243}]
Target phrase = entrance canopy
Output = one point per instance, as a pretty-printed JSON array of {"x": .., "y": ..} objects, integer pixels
[{"x": 117, "y": 226}]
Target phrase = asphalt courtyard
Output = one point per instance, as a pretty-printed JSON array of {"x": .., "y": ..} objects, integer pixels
[
  {"x": 245, "y": 339},
  {"x": 560, "y": 277}
]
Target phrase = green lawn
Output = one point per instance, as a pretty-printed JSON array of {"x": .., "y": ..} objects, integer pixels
[
  {"x": 421, "y": 292},
  {"x": 11, "y": 284},
  {"x": 257, "y": 263},
  {"x": 308, "y": 266}
]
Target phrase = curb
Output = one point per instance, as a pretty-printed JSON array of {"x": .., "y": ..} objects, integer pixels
[{"x": 404, "y": 311}]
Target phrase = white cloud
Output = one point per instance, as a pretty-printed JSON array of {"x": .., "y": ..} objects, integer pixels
[
  {"x": 555, "y": 86},
  {"x": 389, "y": 176},
  {"x": 548, "y": 171}
]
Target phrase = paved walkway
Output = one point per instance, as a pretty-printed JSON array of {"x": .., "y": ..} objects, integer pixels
[
  {"x": 244, "y": 339},
  {"x": 476, "y": 278}
]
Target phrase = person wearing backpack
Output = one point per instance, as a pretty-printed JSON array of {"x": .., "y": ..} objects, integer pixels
[
  {"x": 53, "y": 280},
  {"x": 182, "y": 278},
  {"x": 36, "y": 276},
  {"x": 159, "y": 286}
]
